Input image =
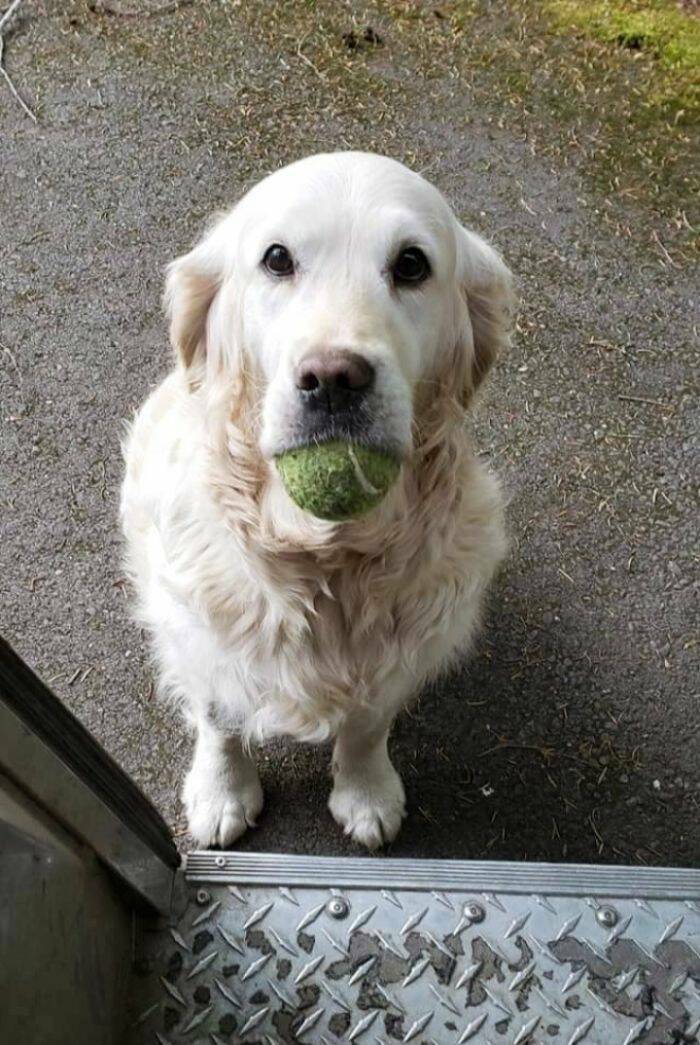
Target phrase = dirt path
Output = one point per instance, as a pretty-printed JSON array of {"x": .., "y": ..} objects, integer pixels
[{"x": 573, "y": 733}]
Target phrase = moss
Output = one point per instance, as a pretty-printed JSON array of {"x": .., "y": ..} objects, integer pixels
[{"x": 656, "y": 27}]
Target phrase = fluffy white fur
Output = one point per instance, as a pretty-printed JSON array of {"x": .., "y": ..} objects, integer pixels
[{"x": 264, "y": 620}]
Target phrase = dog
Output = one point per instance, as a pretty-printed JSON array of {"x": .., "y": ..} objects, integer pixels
[{"x": 340, "y": 297}]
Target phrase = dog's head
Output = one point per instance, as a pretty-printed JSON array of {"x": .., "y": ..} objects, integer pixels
[{"x": 346, "y": 292}]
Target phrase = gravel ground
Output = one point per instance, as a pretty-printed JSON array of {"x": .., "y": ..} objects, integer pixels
[{"x": 572, "y": 733}]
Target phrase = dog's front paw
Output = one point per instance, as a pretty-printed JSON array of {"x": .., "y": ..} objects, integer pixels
[
  {"x": 369, "y": 806},
  {"x": 220, "y": 807}
]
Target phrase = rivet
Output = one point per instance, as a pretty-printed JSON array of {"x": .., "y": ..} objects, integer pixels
[
  {"x": 474, "y": 912},
  {"x": 203, "y": 897},
  {"x": 338, "y": 907},
  {"x": 607, "y": 917}
]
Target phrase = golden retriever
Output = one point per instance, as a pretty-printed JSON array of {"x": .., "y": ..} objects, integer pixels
[{"x": 340, "y": 298}]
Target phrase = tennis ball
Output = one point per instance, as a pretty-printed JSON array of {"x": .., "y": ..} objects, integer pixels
[{"x": 337, "y": 480}]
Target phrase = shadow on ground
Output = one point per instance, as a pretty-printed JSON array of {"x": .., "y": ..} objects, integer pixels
[{"x": 523, "y": 754}]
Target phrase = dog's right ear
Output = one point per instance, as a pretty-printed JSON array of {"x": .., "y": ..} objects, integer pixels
[{"x": 191, "y": 284}]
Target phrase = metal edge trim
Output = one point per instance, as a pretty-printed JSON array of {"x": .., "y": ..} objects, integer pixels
[
  {"x": 45, "y": 715},
  {"x": 483, "y": 876},
  {"x": 47, "y": 780}
]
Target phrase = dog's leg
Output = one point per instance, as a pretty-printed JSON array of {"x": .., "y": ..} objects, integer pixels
[
  {"x": 222, "y": 793},
  {"x": 368, "y": 799}
]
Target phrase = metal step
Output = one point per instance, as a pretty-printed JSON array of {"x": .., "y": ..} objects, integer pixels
[{"x": 281, "y": 949}]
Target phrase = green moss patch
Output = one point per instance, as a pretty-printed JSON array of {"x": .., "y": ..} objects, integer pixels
[{"x": 659, "y": 29}]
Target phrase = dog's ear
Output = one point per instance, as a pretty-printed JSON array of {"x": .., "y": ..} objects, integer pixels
[
  {"x": 486, "y": 287},
  {"x": 191, "y": 284}
]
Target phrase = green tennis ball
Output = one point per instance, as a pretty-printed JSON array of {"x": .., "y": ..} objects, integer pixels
[{"x": 337, "y": 480}]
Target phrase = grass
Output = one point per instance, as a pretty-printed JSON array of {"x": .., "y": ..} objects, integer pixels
[{"x": 657, "y": 27}]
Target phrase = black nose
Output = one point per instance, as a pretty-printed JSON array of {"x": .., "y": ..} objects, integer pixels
[{"x": 334, "y": 382}]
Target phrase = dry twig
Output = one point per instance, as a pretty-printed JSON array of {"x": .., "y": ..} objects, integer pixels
[
  {"x": 4, "y": 19},
  {"x": 669, "y": 259},
  {"x": 111, "y": 7},
  {"x": 647, "y": 402},
  {"x": 306, "y": 60},
  {"x": 6, "y": 351}
]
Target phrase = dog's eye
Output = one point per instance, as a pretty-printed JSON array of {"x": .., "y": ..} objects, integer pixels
[
  {"x": 278, "y": 260},
  {"x": 411, "y": 267}
]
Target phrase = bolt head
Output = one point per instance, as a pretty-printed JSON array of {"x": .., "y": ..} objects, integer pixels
[
  {"x": 203, "y": 897},
  {"x": 338, "y": 907},
  {"x": 220, "y": 861},
  {"x": 607, "y": 917},
  {"x": 474, "y": 912}
]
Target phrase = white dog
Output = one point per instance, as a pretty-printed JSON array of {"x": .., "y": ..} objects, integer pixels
[{"x": 339, "y": 298}]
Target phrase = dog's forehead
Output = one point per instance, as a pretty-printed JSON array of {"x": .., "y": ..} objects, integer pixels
[{"x": 359, "y": 184}]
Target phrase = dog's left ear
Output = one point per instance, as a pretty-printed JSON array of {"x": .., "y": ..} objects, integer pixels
[{"x": 486, "y": 286}]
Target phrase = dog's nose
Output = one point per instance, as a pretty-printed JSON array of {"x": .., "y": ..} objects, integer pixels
[{"x": 334, "y": 381}]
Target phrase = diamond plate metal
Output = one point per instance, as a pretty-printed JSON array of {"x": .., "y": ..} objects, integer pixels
[{"x": 556, "y": 955}]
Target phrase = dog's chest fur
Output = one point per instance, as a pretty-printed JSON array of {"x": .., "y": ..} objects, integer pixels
[
  {"x": 268, "y": 637},
  {"x": 295, "y": 655}
]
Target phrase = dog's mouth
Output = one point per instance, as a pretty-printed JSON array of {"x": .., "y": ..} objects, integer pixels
[{"x": 359, "y": 425}]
